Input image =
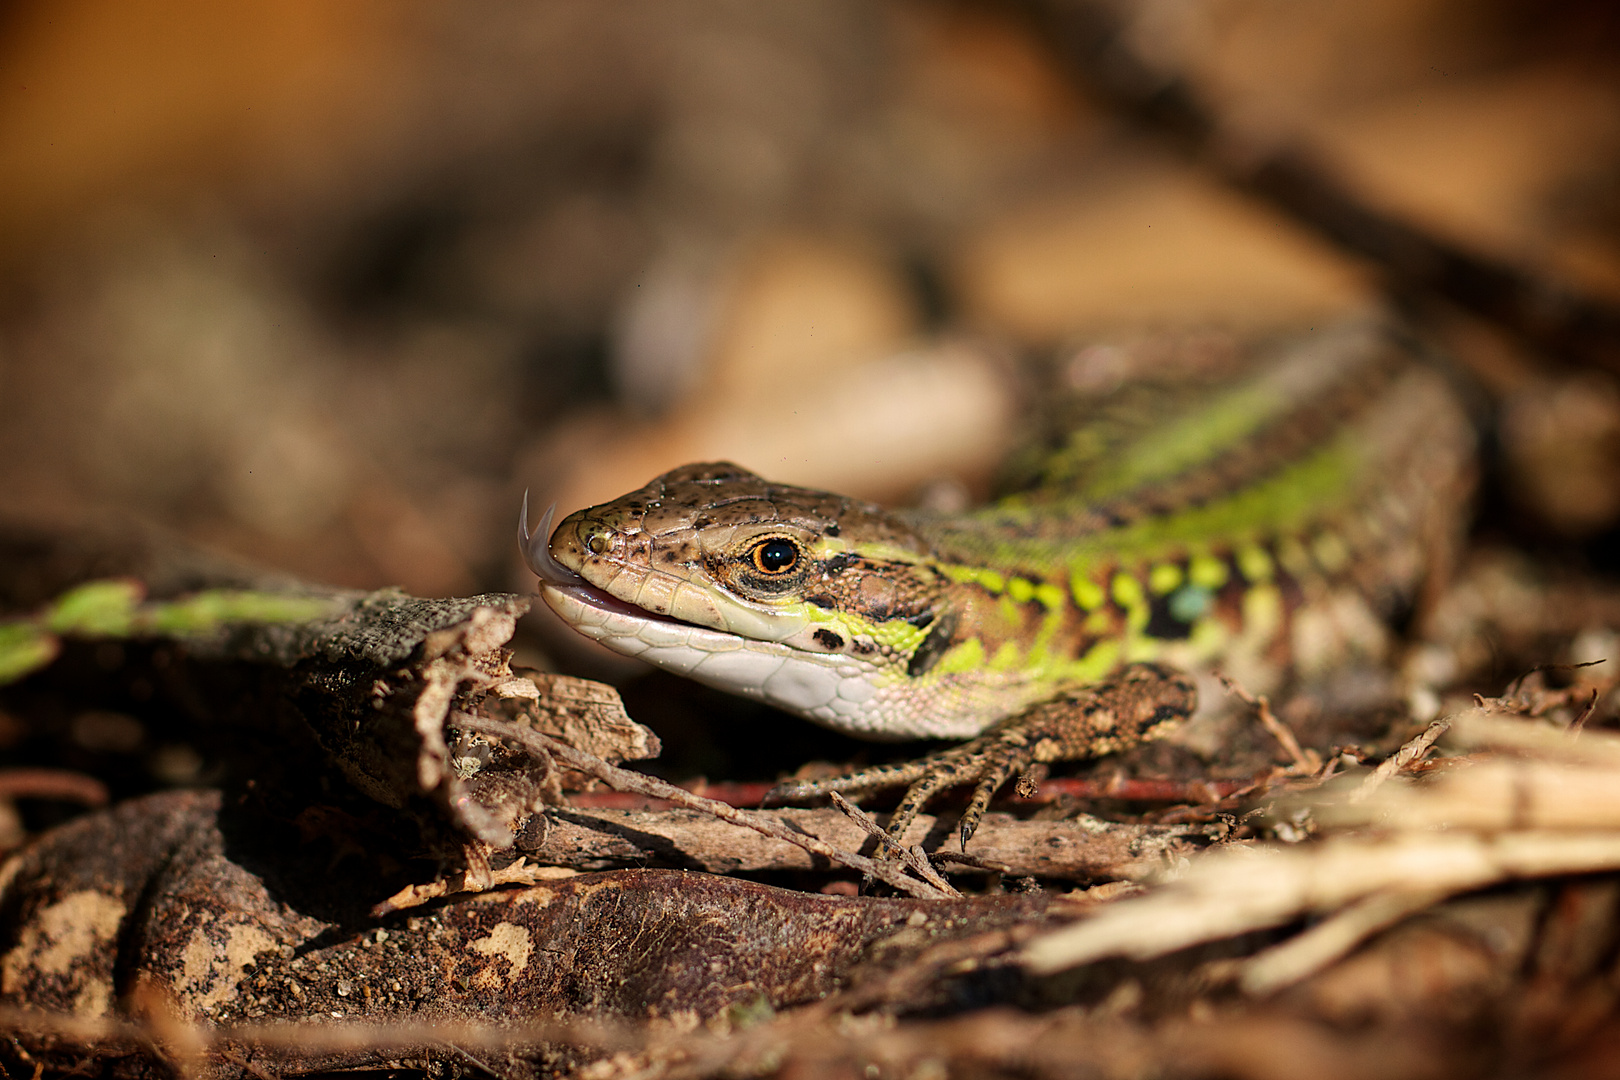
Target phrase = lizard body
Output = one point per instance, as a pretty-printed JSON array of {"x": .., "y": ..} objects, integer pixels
[{"x": 1274, "y": 524}]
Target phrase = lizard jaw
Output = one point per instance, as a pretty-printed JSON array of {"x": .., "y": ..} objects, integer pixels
[{"x": 829, "y": 690}]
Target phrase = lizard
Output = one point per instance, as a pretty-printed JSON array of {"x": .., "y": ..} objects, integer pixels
[{"x": 1272, "y": 525}]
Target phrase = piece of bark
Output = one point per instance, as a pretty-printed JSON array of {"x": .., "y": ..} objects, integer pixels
[
  {"x": 172, "y": 901},
  {"x": 361, "y": 684},
  {"x": 1087, "y": 849}
]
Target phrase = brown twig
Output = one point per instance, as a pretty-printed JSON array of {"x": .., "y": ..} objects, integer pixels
[
  {"x": 1090, "y": 850},
  {"x": 1579, "y": 722},
  {"x": 912, "y": 857},
  {"x": 758, "y": 821},
  {"x": 1303, "y": 762},
  {"x": 62, "y": 784},
  {"x": 1120, "y": 788},
  {"x": 1409, "y": 754}
]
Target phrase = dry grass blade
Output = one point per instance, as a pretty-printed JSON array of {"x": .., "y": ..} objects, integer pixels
[
  {"x": 1239, "y": 890},
  {"x": 1553, "y": 808},
  {"x": 1486, "y": 728},
  {"x": 1503, "y": 793}
]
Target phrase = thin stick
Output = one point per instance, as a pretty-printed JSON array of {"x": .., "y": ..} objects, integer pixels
[
  {"x": 919, "y": 865},
  {"x": 1278, "y": 730},
  {"x": 1586, "y": 714},
  {"x": 759, "y": 821},
  {"x": 1411, "y": 752}
]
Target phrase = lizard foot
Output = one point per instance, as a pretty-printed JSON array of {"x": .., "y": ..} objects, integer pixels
[{"x": 1140, "y": 703}]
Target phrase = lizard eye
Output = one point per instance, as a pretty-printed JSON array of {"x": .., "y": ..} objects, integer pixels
[{"x": 776, "y": 556}]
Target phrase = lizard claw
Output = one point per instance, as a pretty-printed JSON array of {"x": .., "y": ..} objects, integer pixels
[{"x": 1140, "y": 703}]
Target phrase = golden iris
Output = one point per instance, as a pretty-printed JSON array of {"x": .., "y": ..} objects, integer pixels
[{"x": 776, "y": 556}]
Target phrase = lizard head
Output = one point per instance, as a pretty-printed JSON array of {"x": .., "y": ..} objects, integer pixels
[{"x": 811, "y": 601}]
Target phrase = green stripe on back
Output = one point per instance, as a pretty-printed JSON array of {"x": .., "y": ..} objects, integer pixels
[{"x": 1286, "y": 502}]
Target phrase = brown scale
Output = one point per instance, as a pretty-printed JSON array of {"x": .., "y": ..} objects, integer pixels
[{"x": 877, "y": 590}]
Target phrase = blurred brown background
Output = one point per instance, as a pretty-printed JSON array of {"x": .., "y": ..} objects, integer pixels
[{"x": 328, "y": 286}]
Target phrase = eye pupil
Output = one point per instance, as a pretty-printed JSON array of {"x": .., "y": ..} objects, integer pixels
[{"x": 775, "y": 556}]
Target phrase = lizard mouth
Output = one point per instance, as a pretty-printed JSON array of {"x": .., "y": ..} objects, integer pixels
[{"x": 554, "y": 575}]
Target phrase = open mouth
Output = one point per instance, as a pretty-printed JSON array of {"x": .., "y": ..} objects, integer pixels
[{"x": 553, "y": 574}]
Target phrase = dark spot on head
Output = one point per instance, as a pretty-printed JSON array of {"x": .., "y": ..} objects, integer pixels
[
  {"x": 864, "y": 648},
  {"x": 835, "y": 564},
  {"x": 832, "y": 529},
  {"x": 921, "y": 619},
  {"x": 827, "y": 639},
  {"x": 670, "y": 556},
  {"x": 822, "y": 600},
  {"x": 702, "y": 522},
  {"x": 933, "y": 646}
]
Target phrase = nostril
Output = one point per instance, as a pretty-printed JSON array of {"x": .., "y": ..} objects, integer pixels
[{"x": 596, "y": 542}]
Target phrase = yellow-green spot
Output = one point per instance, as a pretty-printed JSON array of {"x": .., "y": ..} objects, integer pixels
[
  {"x": 96, "y": 608},
  {"x": 897, "y": 634},
  {"x": 1009, "y": 657},
  {"x": 985, "y": 578},
  {"x": 1040, "y": 648},
  {"x": 1128, "y": 594},
  {"x": 25, "y": 647},
  {"x": 1099, "y": 660},
  {"x": 1254, "y": 563},
  {"x": 1208, "y": 637},
  {"x": 1088, "y": 595},
  {"x": 1293, "y": 556},
  {"x": 1127, "y": 591},
  {"x": 1098, "y": 622},
  {"x": 968, "y": 656},
  {"x": 1021, "y": 589},
  {"x": 1140, "y": 647},
  {"x": 1206, "y": 571},
  {"x": 1262, "y": 614},
  {"x": 1163, "y": 578},
  {"x": 1049, "y": 595},
  {"x": 1331, "y": 552}
]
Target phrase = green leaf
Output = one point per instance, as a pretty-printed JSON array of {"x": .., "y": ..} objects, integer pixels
[
  {"x": 96, "y": 609},
  {"x": 207, "y": 611},
  {"x": 25, "y": 647}
]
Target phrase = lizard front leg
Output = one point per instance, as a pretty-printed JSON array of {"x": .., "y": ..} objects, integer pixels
[{"x": 1140, "y": 703}]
